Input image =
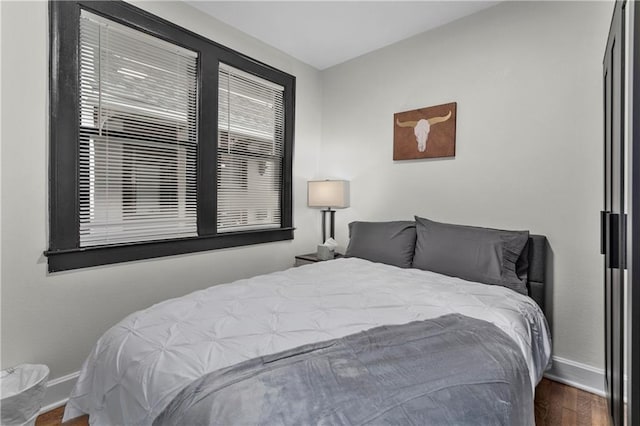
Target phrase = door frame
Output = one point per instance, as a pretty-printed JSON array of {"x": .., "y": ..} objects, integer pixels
[
  {"x": 633, "y": 243},
  {"x": 613, "y": 217}
]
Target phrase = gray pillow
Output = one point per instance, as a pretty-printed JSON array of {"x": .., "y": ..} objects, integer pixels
[
  {"x": 484, "y": 255},
  {"x": 392, "y": 243}
]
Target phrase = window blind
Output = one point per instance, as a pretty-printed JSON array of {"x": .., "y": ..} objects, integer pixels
[
  {"x": 137, "y": 138},
  {"x": 250, "y": 151}
]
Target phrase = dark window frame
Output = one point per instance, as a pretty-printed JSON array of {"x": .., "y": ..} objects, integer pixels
[{"x": 64, "y": 251}]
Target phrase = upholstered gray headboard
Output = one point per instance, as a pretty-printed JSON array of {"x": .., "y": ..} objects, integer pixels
[{"x": 537, "y": 268}]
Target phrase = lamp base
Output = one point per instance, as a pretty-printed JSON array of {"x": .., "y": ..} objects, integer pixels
[{"x": 332, "y": 224}]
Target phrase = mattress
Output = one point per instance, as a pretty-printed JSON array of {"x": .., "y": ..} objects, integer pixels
[{"x": 138, "y": 366}]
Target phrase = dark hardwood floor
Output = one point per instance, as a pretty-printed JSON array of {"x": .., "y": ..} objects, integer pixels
[
  {"x": 562, "y": 405},
  {"x": 556, "y": 405},
  {"x": 54, "y": 418}
]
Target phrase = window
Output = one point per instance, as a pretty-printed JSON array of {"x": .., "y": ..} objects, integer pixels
[
  {"x": 162, "y": 142},
  {"x": 250, "y": 151},
  {"x": 138, "y": 139}
]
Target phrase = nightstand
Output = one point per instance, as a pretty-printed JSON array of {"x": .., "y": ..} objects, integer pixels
[{"x": 305, "y": 259}]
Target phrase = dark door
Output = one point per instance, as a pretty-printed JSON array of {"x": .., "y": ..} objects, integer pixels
[
  {"x": 633, "y": 262},
  {"x": 613, "y": 241}
]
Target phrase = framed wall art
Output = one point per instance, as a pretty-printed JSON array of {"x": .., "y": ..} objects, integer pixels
[{"x": 428, "y": 132}]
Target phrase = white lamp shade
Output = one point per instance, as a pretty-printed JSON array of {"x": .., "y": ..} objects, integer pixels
[{"x": 328, "y": 193}]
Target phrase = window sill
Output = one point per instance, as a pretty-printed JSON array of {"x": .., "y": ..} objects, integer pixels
[{"x": 64, "y": 260}]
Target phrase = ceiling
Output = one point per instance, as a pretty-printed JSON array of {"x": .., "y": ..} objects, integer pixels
[{"x": 326, "y": 33}]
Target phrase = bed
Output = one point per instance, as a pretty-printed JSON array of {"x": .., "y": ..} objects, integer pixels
[{"x": 331, "y": 343}]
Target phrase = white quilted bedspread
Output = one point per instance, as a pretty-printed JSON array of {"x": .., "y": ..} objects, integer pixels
[{"x": 140, "y": 364}]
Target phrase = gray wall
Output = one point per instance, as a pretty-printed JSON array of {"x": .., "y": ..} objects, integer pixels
[
  {"x": 527, "y": 80},
  {"x": 55, "y": 319}
]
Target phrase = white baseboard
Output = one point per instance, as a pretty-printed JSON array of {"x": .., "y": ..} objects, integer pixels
[
  {"x": 576, "y": 374},
  {"x": 58, "y": 391},
  {"x": 572, "y": 373},
  {"x": 580, "y": 376}
]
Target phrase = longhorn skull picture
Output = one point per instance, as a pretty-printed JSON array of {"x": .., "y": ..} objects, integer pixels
[
  {"x": 422, "y": 127},
  {"x": 423, "y": 121}
]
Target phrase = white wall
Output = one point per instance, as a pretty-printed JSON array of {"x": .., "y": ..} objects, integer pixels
[
  {"x": 527, "y": 80},
  {"x": 55, "y": 319}
]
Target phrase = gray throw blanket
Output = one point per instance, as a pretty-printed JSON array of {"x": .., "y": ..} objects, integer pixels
[{"x": 451, "y": 370}]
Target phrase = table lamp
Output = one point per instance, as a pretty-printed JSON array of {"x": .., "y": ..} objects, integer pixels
[{"x": 328, "y": 194}]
